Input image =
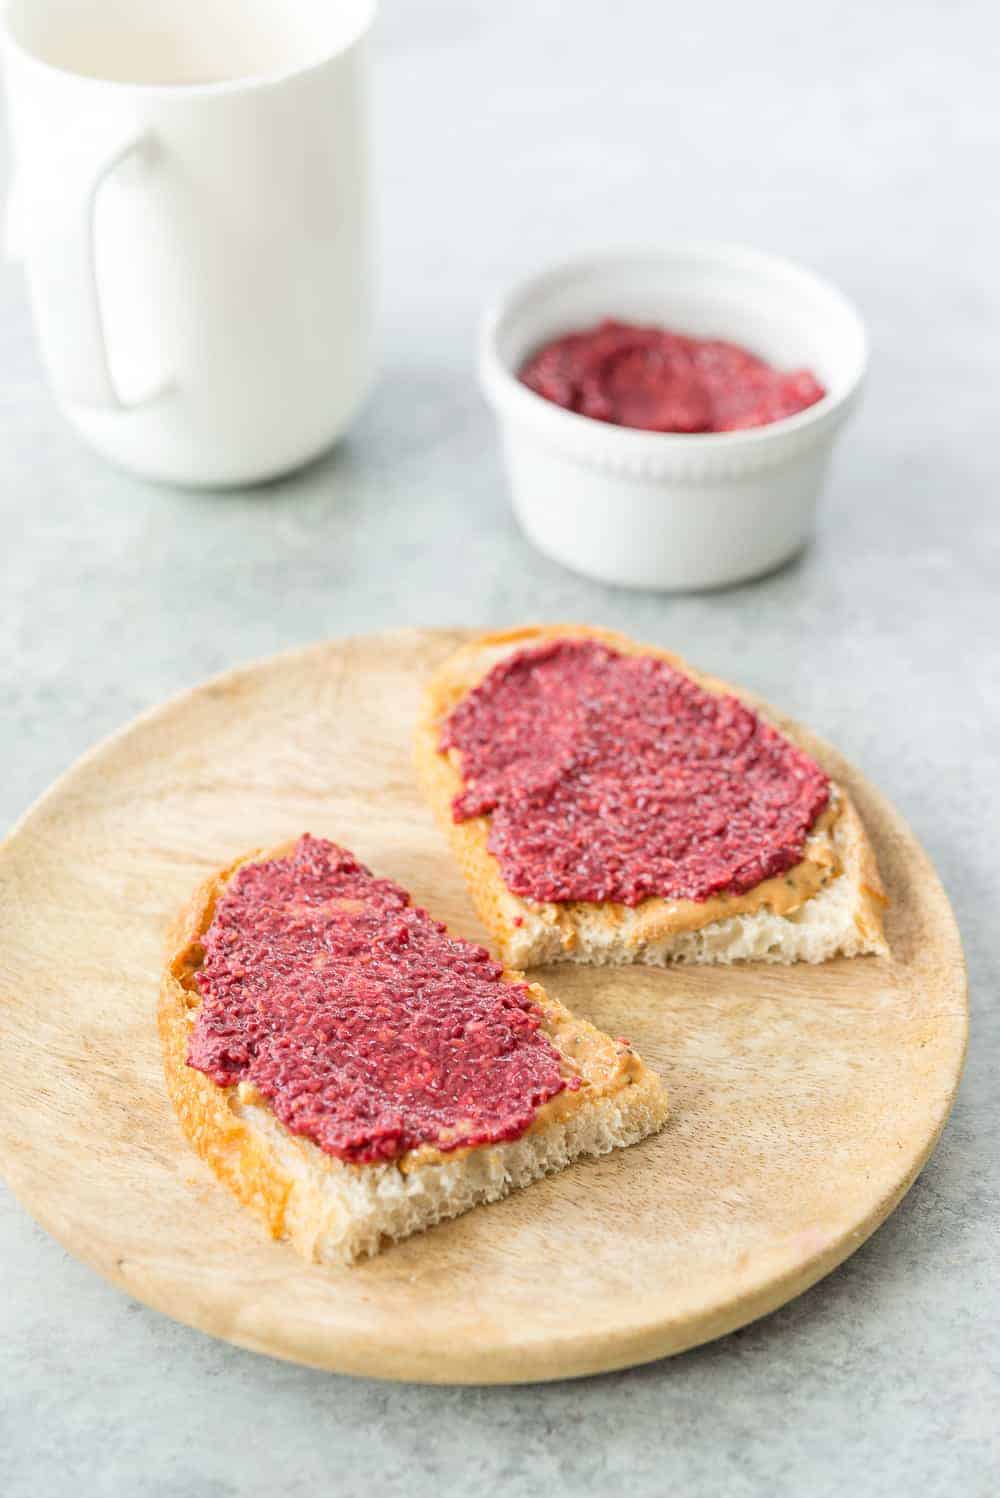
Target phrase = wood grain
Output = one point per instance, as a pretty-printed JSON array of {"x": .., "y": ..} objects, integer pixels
[{"x": 804, "y": 1100}]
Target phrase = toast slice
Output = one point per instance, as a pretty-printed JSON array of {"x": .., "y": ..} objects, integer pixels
[
  {"x": 334, "y": 1208},
  {"x": 839, "y": 913}
]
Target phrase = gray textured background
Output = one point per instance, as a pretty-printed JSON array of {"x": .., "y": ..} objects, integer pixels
[{"x": 862, "y": 139}]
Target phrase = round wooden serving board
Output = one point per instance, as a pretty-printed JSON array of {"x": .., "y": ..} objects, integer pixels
[{"x": 804, "y": 1100}]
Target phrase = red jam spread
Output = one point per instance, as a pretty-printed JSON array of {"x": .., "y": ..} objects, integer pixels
[
  {"x": 368, "y": 1028},
  {"x": 615, "y": 777},
  {"x": 666, "y": 382}
]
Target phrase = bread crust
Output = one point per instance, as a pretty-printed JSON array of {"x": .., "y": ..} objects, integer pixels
[
  {"x": 217, "y": 1132},
  {"x": 328, "y": 1208},
  {"x": 527, "y": 932}
]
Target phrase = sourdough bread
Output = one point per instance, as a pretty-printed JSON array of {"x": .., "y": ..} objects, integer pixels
[
  {"x": 842, "y": 917},
  {"x": 333, "y": 1210}
]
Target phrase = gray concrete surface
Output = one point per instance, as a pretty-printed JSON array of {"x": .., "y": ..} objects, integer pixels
[{"x": 862, "y": 139}]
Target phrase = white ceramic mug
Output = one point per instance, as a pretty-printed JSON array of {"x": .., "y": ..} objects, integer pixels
[{"x": 190, "y": 201}]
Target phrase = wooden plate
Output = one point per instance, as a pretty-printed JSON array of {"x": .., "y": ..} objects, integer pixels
[{"x": 805, "y": 1100}]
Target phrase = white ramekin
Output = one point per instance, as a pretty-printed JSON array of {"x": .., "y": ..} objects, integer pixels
[{"x": 673, "y": 510}]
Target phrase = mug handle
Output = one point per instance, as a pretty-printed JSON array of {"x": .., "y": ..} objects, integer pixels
[{"x": 67, "y": 268}]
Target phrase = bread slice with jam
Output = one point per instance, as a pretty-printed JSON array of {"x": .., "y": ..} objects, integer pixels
[
  {"x": 609, "y": 804},
  {"x": 354, "y": 1073}
]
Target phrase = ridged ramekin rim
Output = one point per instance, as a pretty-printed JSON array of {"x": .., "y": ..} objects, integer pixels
[{"x": 664, "y": 453}]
